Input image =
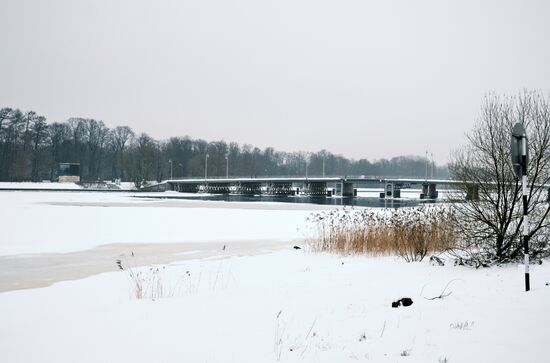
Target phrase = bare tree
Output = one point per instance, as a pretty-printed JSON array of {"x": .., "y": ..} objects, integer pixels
[
  {"x": 39, "y": 134},
  {"x": 121, "y": 135},
  {"x": 488, "y": 209},
  {"x": 59, "y": 144}
]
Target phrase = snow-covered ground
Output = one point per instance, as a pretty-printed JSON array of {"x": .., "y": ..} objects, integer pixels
[
  {"x": 61, "y": 186},
  {"x": 35, "y": 185},
  {"x": 287, "y": 306},
  {"x": 40, "y": 222},
  {"x": 245, "y": 302}
]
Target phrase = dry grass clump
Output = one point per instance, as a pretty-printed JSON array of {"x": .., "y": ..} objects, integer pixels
[
  {"x": 411, "y": 233},
  {"x": 145, "y": 283}
]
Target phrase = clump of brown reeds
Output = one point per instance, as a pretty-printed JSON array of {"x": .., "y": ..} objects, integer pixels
[
  {"x": 145, "y": 283},
  {"x": 411, "y": 233}
]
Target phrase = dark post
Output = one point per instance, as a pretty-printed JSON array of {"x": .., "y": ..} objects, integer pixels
[{"x": 520, "y": 160}]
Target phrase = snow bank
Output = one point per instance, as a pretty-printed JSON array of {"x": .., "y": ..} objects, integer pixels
[{"x": 288, "y": 307}]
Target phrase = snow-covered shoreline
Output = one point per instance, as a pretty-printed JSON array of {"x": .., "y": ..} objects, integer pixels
[
  {"x": 288, "y": 306},
  {"x": 232, "y": 289}
]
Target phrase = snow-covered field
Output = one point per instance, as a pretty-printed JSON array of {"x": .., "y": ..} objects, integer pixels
[{"x": 264, "y": 302}]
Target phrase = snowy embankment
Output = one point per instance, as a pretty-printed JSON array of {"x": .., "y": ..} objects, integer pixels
[
  {"x": 288, "y": 307},
  {"x": 214, "y": 306}
]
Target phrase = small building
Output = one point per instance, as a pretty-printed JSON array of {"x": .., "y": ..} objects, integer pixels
[{"x": 69, "y": 173}]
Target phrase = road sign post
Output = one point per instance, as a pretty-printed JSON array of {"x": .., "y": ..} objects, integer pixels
[{"x": 520, "y": 160}]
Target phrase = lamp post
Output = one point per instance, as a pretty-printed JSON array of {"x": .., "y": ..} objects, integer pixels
[
  {"x": 206, "y": 167},
  {"x": 426, "y": 175},
  {"x": 227, "y": 166},
  {"x": 432, "y": 166},
  {"x": 171, "y": 174}
]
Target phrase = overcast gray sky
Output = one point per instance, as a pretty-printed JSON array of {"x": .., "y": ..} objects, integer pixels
[{"x": 362, "y": 78}]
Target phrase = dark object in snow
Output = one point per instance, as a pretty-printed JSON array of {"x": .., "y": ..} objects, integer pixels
[
  {"x": 406, "y": 301},
  {"x": 223, "y": 249},
  {"x": 297, "y": 247},
  {"x": 439, "y": 261},
  {"x": 119, "y": 264},
  {"x": 548, "y": 284}
]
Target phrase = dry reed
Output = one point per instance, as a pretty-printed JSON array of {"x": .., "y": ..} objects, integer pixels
[{"x": 411, "y": 233}]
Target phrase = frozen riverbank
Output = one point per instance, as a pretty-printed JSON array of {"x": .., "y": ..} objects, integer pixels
[{"x": 286, "y": 306}]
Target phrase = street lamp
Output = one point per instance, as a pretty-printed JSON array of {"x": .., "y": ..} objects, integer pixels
[
  {"x": 426, "y": 179},
  {"x": 171, "y": 175},
  {"x": 432, "y": 165},
  {"x": 206, "y": 167},
  {"x": 227, "y": 166}
]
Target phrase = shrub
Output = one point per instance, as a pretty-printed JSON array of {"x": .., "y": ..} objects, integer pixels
[{"x": 410, "y": 233}]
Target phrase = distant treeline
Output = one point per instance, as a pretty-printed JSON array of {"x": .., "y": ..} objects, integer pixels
[{"x": 31, "y": 150}]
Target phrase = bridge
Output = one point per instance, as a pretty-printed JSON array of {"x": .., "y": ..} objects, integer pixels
[{"x": 313, "y": 186}]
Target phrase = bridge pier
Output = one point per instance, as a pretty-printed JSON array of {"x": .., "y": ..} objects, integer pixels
[
  {"x": 472, "y": 192},
  {"x": 345, "y": 189},
  {"x": 391, "y": 190},
  {"x": 429, "y": 191}
]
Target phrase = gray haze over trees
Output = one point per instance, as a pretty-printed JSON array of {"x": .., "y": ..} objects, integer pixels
[
  {"x": 31, "y": 150},
  {"x": 491, "y": 224}
]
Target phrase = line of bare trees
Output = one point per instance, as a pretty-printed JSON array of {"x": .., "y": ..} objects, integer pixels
[{"x": 31, "y": 150}]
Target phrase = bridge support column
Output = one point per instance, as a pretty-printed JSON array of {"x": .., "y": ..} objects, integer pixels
[
  {"x": 346, "y": 189},
  {"x": 391, "y": 190},
  {"x": 429, "y": 191},
  {"x": 472, "y": 192}
]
